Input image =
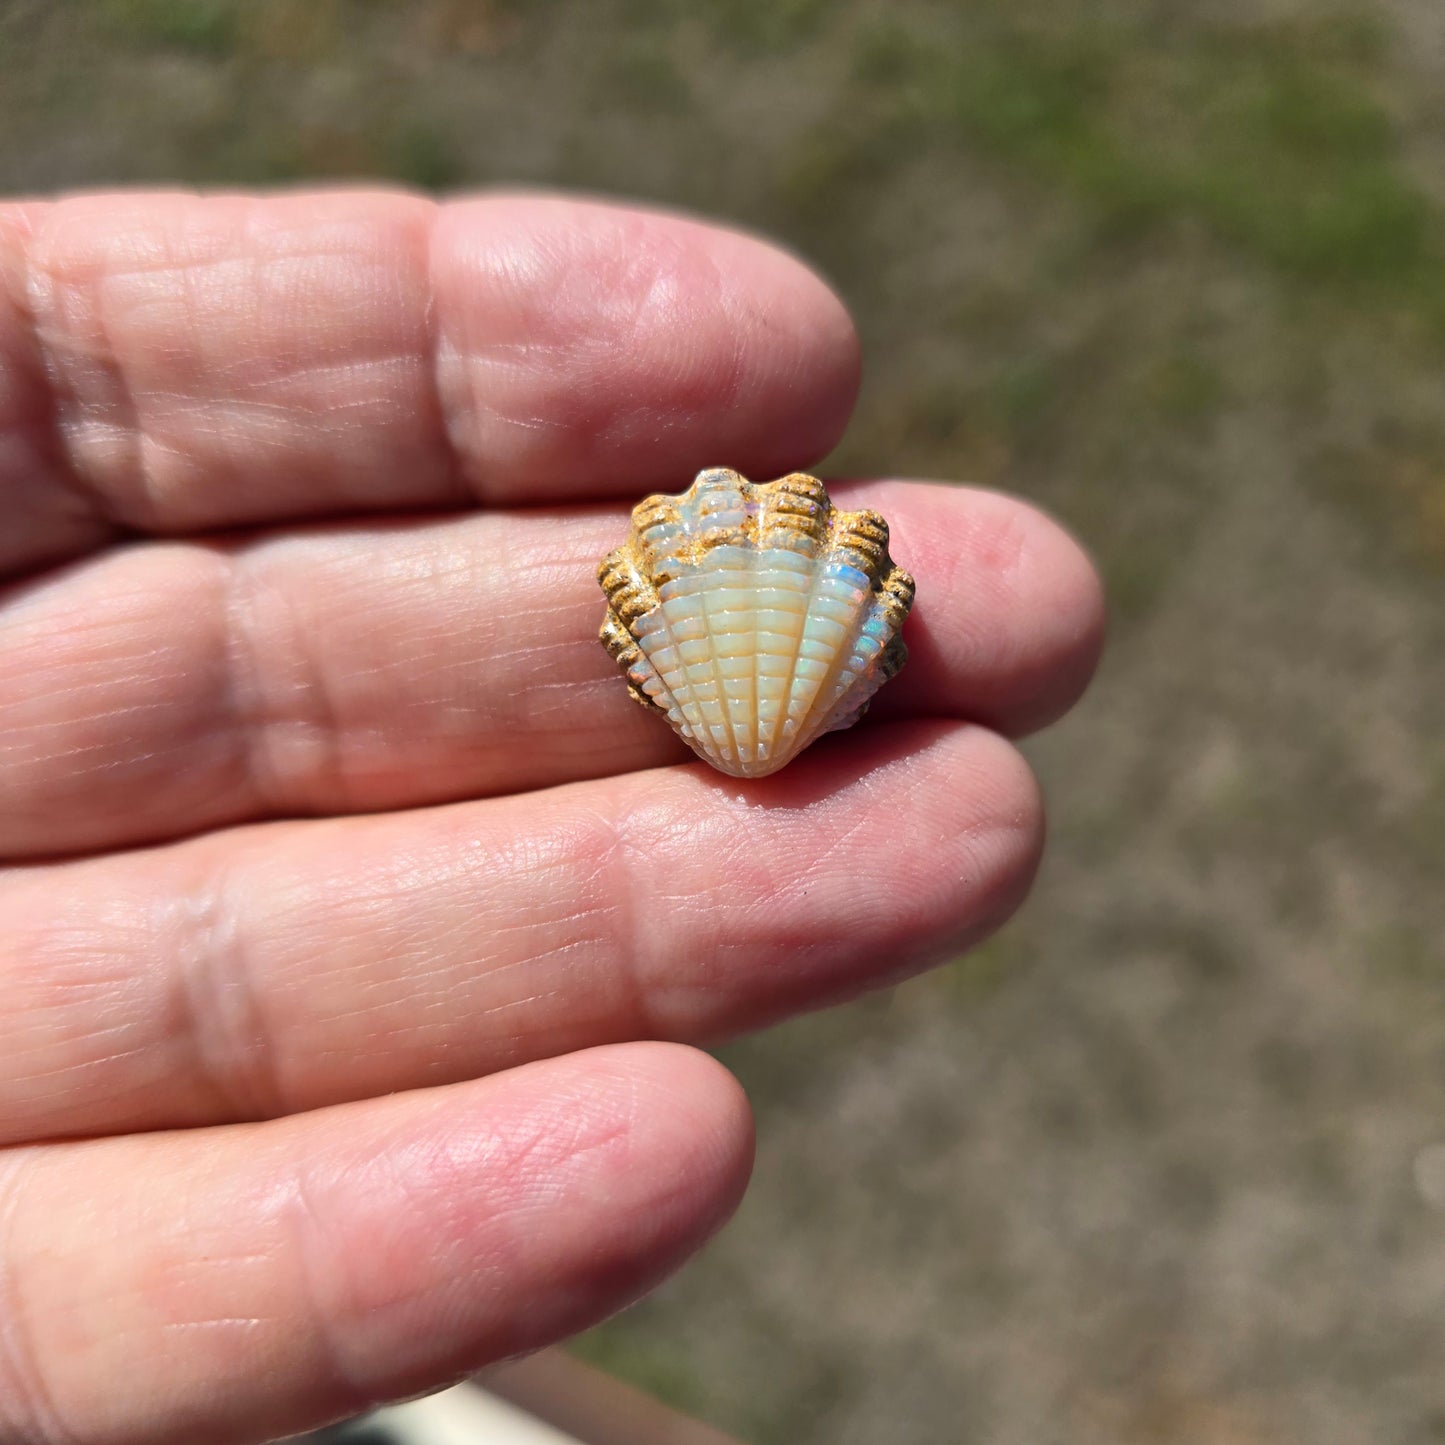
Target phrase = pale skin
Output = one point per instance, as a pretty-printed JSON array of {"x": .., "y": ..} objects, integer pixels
[{"x": 357, "y": 930}]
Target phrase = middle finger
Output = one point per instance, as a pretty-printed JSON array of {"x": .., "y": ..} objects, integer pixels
[{"x": 174, "y": 687}]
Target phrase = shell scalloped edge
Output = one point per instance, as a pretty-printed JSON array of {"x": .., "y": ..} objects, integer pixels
[{"x": 754, "y": 616}]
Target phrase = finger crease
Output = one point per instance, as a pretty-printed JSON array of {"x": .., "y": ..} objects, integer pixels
[
  {"x": 53, "y": 442},
  {"x": 458, "y": 490},
  {"x": 311, "y": 1239},
  {"x": 21, "y": 1378},
  {"x": 621, "y": 859},
  {"x": 284, "y": 719},
  {"x": 217, "y": 1002},
  {"x": 70, "y": 420}
]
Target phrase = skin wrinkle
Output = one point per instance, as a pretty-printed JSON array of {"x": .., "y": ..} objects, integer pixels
[
  {"x": 71, "y": 1072},
  {"x": 523, "y": 357},
  {"x": 843, "y": 841},
  {"x": 265, "y": 731},
  {"x": 639, "y": 292},
  {"x": 456, "y": 490},
  {"x": 71, "y": 420},
  {"x": 320, "y": 723},
  {"x": 511, "y": 866},
  {"x": 985, "y": 841},
  {"x": 36, "y": 293},
  {"x": 463, "y": 406},
  {"x": 623, "y": 846},
  {"x": 119, "y": 691},
  {"x": 21, "y": 1369},
  {"x": 80, "y": 981},
  {"x": 242, "y": 688},
  {"x": 80, "y": 511},
  {"x": 204, "y": 1280},
  {"x": 325, "y": 726},
  {"x": 591, "y": 943},
  {"x": 732, "y": 375},
  {"x": 102, "y": 1036},
  {"x": 523, "y": 1165},
  {"x": 708, "y": 989},
  {"x": 308, "y": 1234},
  {"x": 75, "y": 755},
  {"x": 215, "y": 1000},
  {"x": 206, "y": 282}
]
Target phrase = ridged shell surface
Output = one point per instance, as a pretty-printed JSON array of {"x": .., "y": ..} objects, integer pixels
[{"x": 754, "y": 616}]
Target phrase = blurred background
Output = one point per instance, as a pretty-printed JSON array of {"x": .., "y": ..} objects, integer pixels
[{"x": 1165, "y": 1162}]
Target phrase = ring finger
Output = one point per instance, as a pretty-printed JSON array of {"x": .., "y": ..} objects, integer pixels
[{"x": 273, "y": 969}]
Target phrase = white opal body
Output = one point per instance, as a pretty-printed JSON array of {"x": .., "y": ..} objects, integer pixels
[{"x": 768, "y": 624}]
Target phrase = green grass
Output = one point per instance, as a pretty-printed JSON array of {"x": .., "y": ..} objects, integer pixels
[
  {"x": 656, "y": 1362},
  {"x": 422, "y": 155},
  {"x": 750, "y": 28},
  {"x": 1269, "y": 146},
  {"x": 968, "y": 980},
  {"x": 209, "y": 27},
  {"x": 256, "y": 30},
  {"x": 1183, "y": 387},
  {"x": 643, "y": 69},
  {"x": 1273, "y": 137},
  {"x": 1300, "y": 166},
  {"x": 1021, "y": 393}
]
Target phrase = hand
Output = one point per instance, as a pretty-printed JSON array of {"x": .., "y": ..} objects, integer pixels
[{"x": 347, "y": 895}]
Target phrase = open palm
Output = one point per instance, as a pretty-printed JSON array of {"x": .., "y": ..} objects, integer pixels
[{"x": 347, "y": 897}]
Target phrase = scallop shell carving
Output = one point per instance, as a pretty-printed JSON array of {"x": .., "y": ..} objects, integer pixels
[{"x": 754, "y": 615}]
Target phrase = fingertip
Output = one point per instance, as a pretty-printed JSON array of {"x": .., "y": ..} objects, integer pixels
[
  {"x": 299, "y": 1270},
  {"x": 685, "y": 1110},
  {"x": 1011, "y": 803},
  {"x": 880, "y": 852},
  {"x": 522, "y": 1208},
  {"x": 803, "y": 326},
  {"x": 1037, "y": 572},
  {"x": 974, "y": 842},
  {"x": 591, "y": 346},
  {"x": 1071, "y": 623},
  {"x": 1009, "y": 622}
]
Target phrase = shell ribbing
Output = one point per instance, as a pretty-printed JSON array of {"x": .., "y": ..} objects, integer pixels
[{"x": 755, "y": 616}]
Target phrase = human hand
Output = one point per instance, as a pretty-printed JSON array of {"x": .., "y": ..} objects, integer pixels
[{"x": 346, "y": 892}]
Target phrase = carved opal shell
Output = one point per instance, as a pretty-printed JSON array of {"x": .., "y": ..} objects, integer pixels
[{"x": 754, "y": 615}]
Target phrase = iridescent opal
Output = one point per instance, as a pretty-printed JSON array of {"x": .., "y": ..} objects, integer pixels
[{"x": 754, "y": 615}]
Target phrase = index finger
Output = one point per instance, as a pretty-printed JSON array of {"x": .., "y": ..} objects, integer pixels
[{"x": 176, "y": 363}]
